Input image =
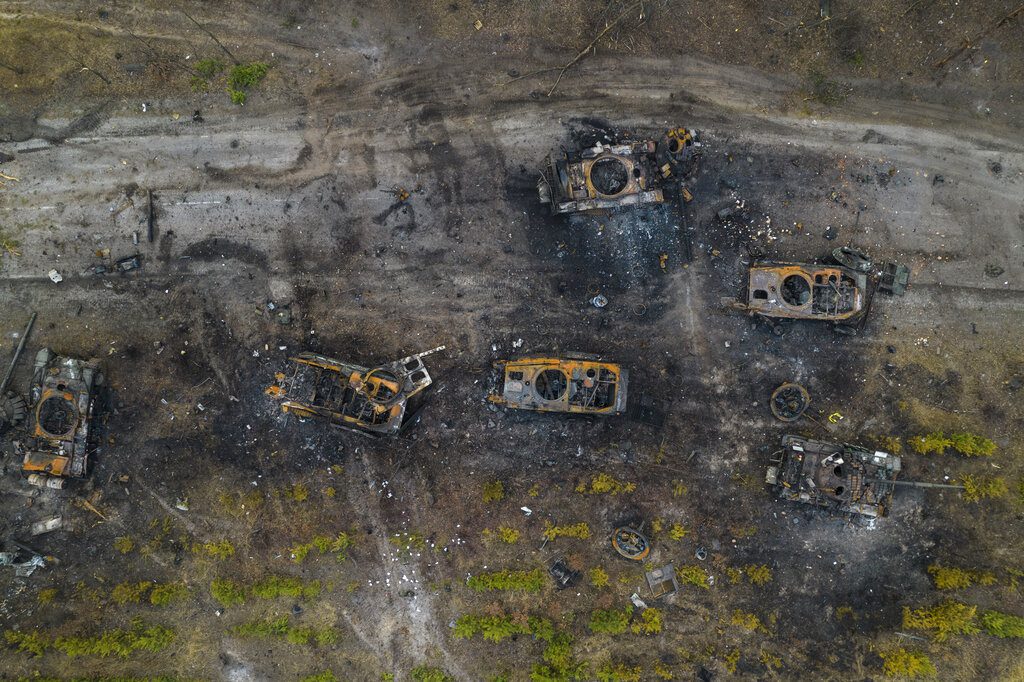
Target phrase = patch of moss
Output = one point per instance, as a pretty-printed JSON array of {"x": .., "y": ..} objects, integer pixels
[
  {"x": 649, "y": 622},
  {"x": 747, "y": 621},
  {"x": 580, "y": 531},
  {"x": 46, "y": 596},
  {"x": 759, "y": 575},
  {"x": 117, "y": 642},
  {"x": 494, "y": 491},
  {"x": 167, "y": 594},
  {"x": 617, "y": 672},
  {"x": 1003, "y": 625},
  {"x": 34, "y": 642},
  {"x": 227, "y": 592},
  {"x": 282, "y": 628},
  {"x": 129, "y": 593},
  {"x": 324, "y": 544},
  {"x": 693, "y": 575},
  {"x": 524, "y": 581},
  {"x": 215, "y": 550},
  {"x": 426, "y": 673},
  {"x": 610, "y": 621},
  {"x": 968, "y": 444},
  {"x": 947, "y": 578},
  {"x": 983, "y": 488},
  {"x": 598, "y": 577},
  {"x": 604, "y": 484},
  {"x": 124, "y": 544},
  {"x": 293, "y": 588}
]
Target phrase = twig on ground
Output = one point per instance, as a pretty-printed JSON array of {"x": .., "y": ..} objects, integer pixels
[
  {"x": 209, "y": 33},
  {"x": 969, "y": 44}
]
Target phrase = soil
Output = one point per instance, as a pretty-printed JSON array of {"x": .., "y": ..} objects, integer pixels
[{"x": 815, "y": 134}]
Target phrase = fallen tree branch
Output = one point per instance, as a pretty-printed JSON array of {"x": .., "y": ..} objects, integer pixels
[
  {"x": 583, "y": 53},
  {"x": 968, "y": 44},
  {"x": 209, "y": 33}
]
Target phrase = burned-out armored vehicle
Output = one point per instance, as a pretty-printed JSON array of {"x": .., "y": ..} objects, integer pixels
[
  {"x": 622, "y": 173},
  {"x": 839, "y": 292},
  {"x": 575, "y": 383},
  {"x": 376, "y": 402},
  {"x": 61, "y": 420},
  {"x": 844, "y": 479}
]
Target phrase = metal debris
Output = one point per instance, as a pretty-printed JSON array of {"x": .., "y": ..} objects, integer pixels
[{"x": 577, "y": 383}]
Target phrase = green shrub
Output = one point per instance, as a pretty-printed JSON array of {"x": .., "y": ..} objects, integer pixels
[
  {"x": 693, "y": 575},
  {"x": 215, "y": 550},
  {"x": 293, "y": 588},
  {"x": 968, "y": 444},
  {"x": 618, "y": 672},
  {"x": 324, "y": 544},
  {"x": 576, "y": 530},
  {"x": 34, "y": 642},
  {"x": 46, "y": 596},
  {"x": 598, "y": 577},
  {"x": 747, "y": 621},
  {"x": 117, "y": 642},
  {"x": 164, "y": 595},
  {"x": 242, "y": 77},
  {"x": 649, "y": 623},
  {"x": 227, "y": 592},
  {"x": 904, "y": 663},
  {"x": 560, "y": 665},
  {"x": 610, "y": 621},
  {"x": 124, "y": 544},
  {"x": 541, "y": 628},
  {"x": 526, "y": 581},
  {"x": 983, "y": 487},
  {"x": 494, "y": 491},
  {"x": 493, "y": 628},
  {"x": 604, "y": 484},
  {"x": 129, "y": 593},
  {"x": 758, "y": 575},
  {"x": 425, "y": 673},
  {"x": 208, "y": 68},
  {"x": 948, "y": 618},
  {"x": 947, "y": 578},
  {"x": 325, "y": 676},
  {"x": 1003, "y": 625},
  {"x": 281, "y": 628}
]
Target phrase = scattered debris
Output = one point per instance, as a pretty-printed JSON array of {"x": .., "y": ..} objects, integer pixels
[
  {"x": 371, "y": 401},
  {"x": 27, "y": 566},
  {"x": 55, "y": 276},
  {"x": 576, "y": 382},
  {"x": 599, "y": 301},
  {"x": 47, "y": 525}
]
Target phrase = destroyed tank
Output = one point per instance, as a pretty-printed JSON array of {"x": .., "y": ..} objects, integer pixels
[
  {"x": 63, "y": 397},
  {"x": 576, "y": 383},
  {"x": 845, "y": 479}
]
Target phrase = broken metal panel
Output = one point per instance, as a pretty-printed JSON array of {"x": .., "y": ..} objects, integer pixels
[
  {"x": 805, "y": 291},
  {"x": 63, "y": 398},
  {"x": 569, "y": 384},
  {"x": 843, "y": 478},
  {"x": 662, "y": 581},
  {"x": 563, "y": 574},
  {"x": 372, "y": 401}
]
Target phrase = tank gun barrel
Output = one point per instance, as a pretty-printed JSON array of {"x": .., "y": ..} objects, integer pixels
[
  {"x": 17, "y": 353},
  {"x": 921, "y": 484}
]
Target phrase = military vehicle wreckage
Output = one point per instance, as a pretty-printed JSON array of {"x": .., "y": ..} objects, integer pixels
[
  {"x": 622, "y": 173},
  {"x": 575, "y": 383},
  {"x": 840, "y": 292},
  {"x": 371, "y": 401},
  {"x": 61, "y": 427},
  {"x": 846, "y": 479}
]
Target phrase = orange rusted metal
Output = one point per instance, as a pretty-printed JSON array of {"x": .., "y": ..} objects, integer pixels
[{"x": 574, "y": 384}]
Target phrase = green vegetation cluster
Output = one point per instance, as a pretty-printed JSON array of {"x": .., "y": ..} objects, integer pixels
[
  {"x": 324, "y": 544},
  {"x": 581, "y": 531},
  {"x": 282, "y": 628},
  {"x": 907, "y": 663},
  {"x": 115, "y": 642},
  {"x": 230, "y": 593},
  {"x": 968, "y": 444},
  {"x": 525, "y": 581},
  {"x": 947, "y": 578},
  {"x": 604, "y": 484}
]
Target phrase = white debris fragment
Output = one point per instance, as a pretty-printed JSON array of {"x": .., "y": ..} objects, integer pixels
[{"x": 55, "y": 277}]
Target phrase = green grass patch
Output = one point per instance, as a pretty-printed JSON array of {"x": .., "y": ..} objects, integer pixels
[
  {"x": 34, "y": 642},
  {"x": 618, "y": 672},
  {"x": 598, "y": 577},
  {"x": 649, "y": 622},
  {"x": 114, "y": 642},
  {"x": 215, "y": 550},
  {"x": 167, "y": 594},
  {"x": 129, "y": 593},
  {"x": 494, "y": 491},
  {"x": 293, "y": 588},
  {"x": 523, "y": 581},
  {"x": 282, "y": 628},
  {"x": 427, "y": 673},
  {"x": 693, "y": 575},
  {"x": 759, "y": 575},
  {"x": 46, "y": 596},
  {"x": 244, "y": 77},
  {"x": 983, "y": 488}
]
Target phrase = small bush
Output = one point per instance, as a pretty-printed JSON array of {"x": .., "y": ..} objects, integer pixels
[
  {"x": 325, "y": 676},
  {"x": 947, "y": 578},
  {"x": 541, "y": 628},
  {"x": 494, "y": 492},
  {"x": 525, "y": 581},
  {"x": 46, "y": 596},
  {"x": 945, "y": 619},
  {"x": 242, "y": 77},
  {"x": 649, "y": 622},
  {"x": 759, "y": 575},
  {"x": 117, "y": 642},
  {"x": 215, "y": 550},
  {"x": 324, "y": 544},
  {"x": 424, "y": 673},
  {"x": 34, "y": 642},
  {"x": 983, "y": 488},
  {"x": 166, "y": 594},
  {"x": 129, "y": 593},
  {"x": 297, "y": 492},
  {"x": 770, "y": 660},
  {"x": 604, "y": 484},
  {"x": 293, "y": 588},
  {"x": 747, "y": 621},
  {"x": 598, "y": 577},
  {"x": 560, "y": 665},
  {"x": 281, "y": 628},
  {"x": 124, "y": 544},
  {"x": 509, "y": 536},
  {"x": 968, "y": 444},
  {"x": 580, "y": 531},
  {"x": 493, "y": 628},
  {"x": 408, "y": 542},
  {"x": 678, "y": 532},
  {"x": 227, "y": 592},
  {"x": 679, "y": 489},
  {"x": 904, "y": 663},
  {"x": 693, "y": 575},
  {"x": 618, "y": 672},
  {"x": 1003, "y": 625},
  {"x": 610, "y": 621},
  {"x": 208, "y": 68}
]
